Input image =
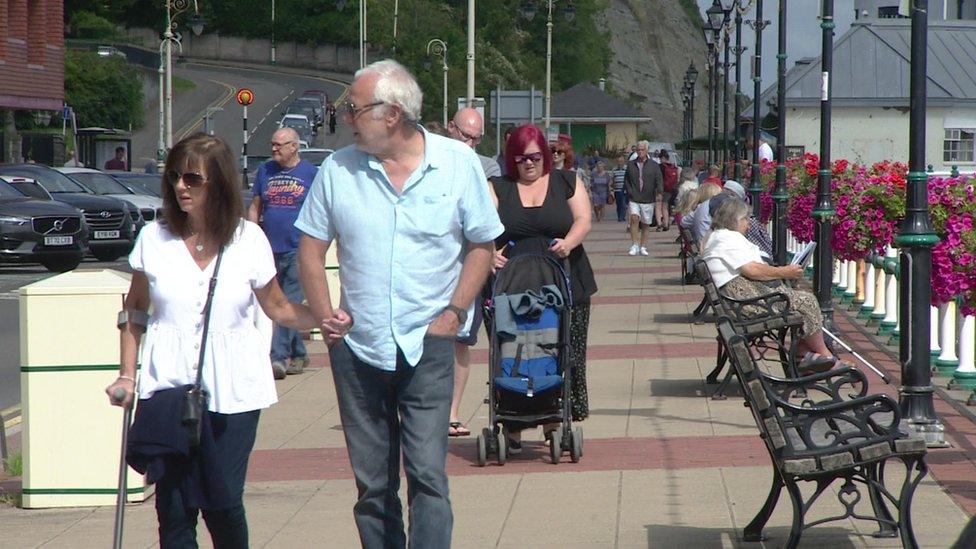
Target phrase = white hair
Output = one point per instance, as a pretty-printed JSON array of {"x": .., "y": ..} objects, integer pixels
[
  {"x": 646, "y": 143},
  {"x": 395, "y": 86}
]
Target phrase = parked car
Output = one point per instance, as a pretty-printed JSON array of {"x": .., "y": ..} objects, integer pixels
[
  {"x": 315, "y": 156},
  {"x": 106, "y": 185},
  {"x": 299, "y": 123},
  {"x": 322, "y": 96},
  {"x": 146, "y": 184},
  {"x": 110, "y": 51},
  {"x": 40, "y": 231},
  {"x": 111, "y": 221}
]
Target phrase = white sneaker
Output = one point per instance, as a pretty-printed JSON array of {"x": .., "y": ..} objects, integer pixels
[
  {"x": 634, "y": 249},
  {"x": 643, "y": 251}
]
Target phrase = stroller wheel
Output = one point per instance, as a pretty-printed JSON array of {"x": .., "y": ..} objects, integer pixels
[
  {"x": 556, "y": 445},
  {"x": 482, "y": 450},
  {"x": 502, "y": 444},
  {"x": 576, "y": 444}
]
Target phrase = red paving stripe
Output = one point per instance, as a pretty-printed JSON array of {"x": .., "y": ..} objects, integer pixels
[
  {"x": 637, "y": 270},
  {"x": 640, "y": 299},
  {"x": 610, "y": 454}
]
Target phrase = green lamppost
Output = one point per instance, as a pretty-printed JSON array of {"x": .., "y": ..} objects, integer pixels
[
  {"x": 738, "y": 50},
  {"x": 916, "y": 238},
  {"x": 755, "y": 189},
  {"x": 823, "y": 210},
  {"x": 780, "y": 195}
]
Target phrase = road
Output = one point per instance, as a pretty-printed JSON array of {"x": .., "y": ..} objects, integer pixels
[{"x": 216, "y": 86}]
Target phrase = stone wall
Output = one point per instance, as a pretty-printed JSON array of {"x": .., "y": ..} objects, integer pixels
[{"x": 328, "y": 57}]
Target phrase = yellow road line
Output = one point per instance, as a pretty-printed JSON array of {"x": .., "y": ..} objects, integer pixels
[{"x": 198, "y": 120}]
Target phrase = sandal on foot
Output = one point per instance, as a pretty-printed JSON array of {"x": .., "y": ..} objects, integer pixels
[
  {"x": 816, "y": 363},
  {"x": 456, "y": 429}
]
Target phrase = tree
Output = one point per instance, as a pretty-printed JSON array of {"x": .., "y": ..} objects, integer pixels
[{"x": 103, "y": 92}]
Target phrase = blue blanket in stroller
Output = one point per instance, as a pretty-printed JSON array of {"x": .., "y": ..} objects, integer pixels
[{"x": 529, "y": 341}]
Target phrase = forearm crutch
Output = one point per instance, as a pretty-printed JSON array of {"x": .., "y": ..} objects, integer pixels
[{"x": 119, "y": 394}]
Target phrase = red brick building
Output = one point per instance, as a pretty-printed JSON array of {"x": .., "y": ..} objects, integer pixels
[{"x": 31, "y": 54}]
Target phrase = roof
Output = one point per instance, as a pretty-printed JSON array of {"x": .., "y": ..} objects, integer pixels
[
  {"x": 871, "y": 67},
  {"x": 586, "y": 103}
]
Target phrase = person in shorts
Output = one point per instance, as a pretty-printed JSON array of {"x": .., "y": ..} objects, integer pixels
[{"x": 643, "y": 182}]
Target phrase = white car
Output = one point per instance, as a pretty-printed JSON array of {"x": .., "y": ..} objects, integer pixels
[
  {"x": 301, "y": 125},
  {"x": 103, "y": 184},
  {"x": 314, "y": 155}
]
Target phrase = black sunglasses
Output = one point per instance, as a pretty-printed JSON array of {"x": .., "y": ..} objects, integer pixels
[
  {"x": 191, "y": 179},
  {"x": 556, "y": 151},
  {"x": 522, "y": 158}
]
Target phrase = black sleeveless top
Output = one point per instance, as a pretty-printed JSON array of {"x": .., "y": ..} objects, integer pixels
[{"x": 537, "y": 225}]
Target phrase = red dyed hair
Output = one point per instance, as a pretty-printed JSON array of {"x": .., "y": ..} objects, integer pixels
[
  {"x": 520, "y": 140},
  {"x": 564, "y": 143}
]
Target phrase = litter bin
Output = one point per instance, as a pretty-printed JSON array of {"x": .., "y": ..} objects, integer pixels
[{"x": 69, "y": 353}]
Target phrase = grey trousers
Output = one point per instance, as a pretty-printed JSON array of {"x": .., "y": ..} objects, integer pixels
[{"x": 382, "y": 411}]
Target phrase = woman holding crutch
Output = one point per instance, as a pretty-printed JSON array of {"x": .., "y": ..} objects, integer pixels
[{"x": 206, "y": 372}]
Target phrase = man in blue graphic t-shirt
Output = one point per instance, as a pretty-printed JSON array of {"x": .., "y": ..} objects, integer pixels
[{"x": 280, "y": 187}]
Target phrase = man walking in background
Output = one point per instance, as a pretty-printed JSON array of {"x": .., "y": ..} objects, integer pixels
[
  {"x": 619, "y": 194},
  {"x": 467, "y": 127},
  {"x": 280, "y": 187},
  {"x": 643, "y": 182}
]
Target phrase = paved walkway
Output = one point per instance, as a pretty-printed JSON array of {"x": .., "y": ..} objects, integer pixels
[{"x": 664, "y": 465}]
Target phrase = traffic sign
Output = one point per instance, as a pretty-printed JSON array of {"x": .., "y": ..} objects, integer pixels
[{"x": 245, "y": 96}]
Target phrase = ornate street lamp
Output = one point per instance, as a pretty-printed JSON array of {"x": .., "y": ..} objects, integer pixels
[
  {"x": 173, "y": 9},
  {"x": 755, "y": 189},
  {"x": 739, "y": 50},
  {"x": 438, "y": 48},
  {"x": 726, "y": 7},
  {"x": 711, "y": 65},
  {"x": 916, "y": 238},
  {"x": 823, "y": 210},
  {"x": 685, "y": 128},
  {"x": 528, "y": 11},
  {"x": 780, "y": 195}
]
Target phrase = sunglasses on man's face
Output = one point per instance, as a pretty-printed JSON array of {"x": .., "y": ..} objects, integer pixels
[
  {"x": 523, "y": 158},
  {"x": 190, "y": 179}
]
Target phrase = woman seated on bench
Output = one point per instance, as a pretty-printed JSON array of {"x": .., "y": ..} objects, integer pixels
[{"x": 739, "y": 272}]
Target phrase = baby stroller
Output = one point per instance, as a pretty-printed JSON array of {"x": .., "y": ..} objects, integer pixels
[{"x": 530, "y": 371}]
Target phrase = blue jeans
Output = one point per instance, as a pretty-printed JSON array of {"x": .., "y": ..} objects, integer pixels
[
  {"x": 234, "y": 436},
  {"x": 285, "y": 342},
  {"x": 382, "y": 411},
  {"x": 620, "y": 199}
]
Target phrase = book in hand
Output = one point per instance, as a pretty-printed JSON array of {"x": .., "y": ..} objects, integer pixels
[{"x": 804, "y": 256}]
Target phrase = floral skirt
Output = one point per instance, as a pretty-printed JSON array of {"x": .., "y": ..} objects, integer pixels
[
  {"x": 578, "y": 327},
  {"x": 803, "y": 302}
]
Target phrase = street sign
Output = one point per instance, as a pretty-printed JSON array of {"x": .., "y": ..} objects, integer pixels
[
  {"x": 516, "y": 106},
  {"x": 245, "y": 96}
]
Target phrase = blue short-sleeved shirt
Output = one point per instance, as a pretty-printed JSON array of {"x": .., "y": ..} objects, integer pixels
[
  {"x": 282, "y": 194},
  {"x": 400, "y": 254}
]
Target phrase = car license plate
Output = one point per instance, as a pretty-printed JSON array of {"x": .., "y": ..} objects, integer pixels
[
  {"x": 106, "y": 234},
  {"x": 58, "y": 240}
]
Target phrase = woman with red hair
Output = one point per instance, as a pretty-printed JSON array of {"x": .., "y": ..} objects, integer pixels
[{"x": 539, "y": 203}]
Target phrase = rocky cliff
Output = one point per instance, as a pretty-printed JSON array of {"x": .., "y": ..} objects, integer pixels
[{"x": 653, "y": 42}]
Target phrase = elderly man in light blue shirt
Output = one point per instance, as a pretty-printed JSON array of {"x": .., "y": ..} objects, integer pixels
[{"x": 415, "y": 223}]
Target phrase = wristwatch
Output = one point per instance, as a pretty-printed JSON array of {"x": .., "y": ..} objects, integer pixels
[{"x": 461, "y": 314}]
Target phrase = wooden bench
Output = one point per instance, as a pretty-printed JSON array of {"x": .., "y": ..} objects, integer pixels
[
  {"x": 834, "y": 432},
  {"x": 767, "y": 323}
]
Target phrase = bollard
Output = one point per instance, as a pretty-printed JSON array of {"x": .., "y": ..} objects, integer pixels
[
  {"x": 879, "y": 291},
  {"x": 841, "y": 285},
  {"x": 69, "y": 353},
  {"x": 895, "y": 338},
  {"x": 869, "y": 276},
  {"x": 850, "y": 290},
  {"x": 934, "y": 348},
  {"x": 965, "y": 375},
  {"x": 947, "y": 361},
  {"x": 859, "y": 289},
  {"x": 890, "y": 320},
  {"x": 835, "y": 279}
]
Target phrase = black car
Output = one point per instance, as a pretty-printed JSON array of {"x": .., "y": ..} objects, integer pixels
[
  {"x": 111, "y": 221},
  {"x": 39, "y": 231}
]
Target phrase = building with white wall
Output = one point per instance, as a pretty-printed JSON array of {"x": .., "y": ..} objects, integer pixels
[{"x": 870, "y": 95}]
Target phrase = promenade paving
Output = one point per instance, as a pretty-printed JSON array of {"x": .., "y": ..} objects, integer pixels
[{"x": 664, "y": 466}]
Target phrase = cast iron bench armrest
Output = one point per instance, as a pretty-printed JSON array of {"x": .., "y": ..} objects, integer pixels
[{"x": 829, "y": 384}]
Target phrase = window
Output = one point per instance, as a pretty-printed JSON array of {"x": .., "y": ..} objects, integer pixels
[
  {"x": 958, "y": 145},
  {"x": 889, "y": 13}
]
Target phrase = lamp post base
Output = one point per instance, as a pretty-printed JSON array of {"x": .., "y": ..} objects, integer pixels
[{"x": 932, "y": 432}]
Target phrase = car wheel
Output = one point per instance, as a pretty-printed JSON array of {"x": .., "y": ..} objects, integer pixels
[
  {"x": 61, "y": 265},
  {"x": 106, "y": 254}
]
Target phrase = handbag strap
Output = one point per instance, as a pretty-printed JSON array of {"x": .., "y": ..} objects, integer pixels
[{"x": 206, "y": 320}]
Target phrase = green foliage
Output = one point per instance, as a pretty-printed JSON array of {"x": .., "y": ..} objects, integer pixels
[
  {"x": 86, "y": 24},
  {"x": 104, "y": 92},
  {"x": 14, "y": 465}
]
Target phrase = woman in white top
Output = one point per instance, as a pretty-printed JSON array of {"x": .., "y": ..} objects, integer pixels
[
  {"x": 173, "y": 262},
  {"x": 689, "y": 182},
  {"x": 738, "y": 271}
]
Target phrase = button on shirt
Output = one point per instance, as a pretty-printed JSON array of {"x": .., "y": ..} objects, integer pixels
[
  {"x": 237, "y": 366},
  {"x": 401, "y": 254}
]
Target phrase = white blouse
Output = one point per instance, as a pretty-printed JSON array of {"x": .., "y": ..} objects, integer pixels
[
  {"x": 237, "y": 366},
  {"x": 726, "y": 252}
]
